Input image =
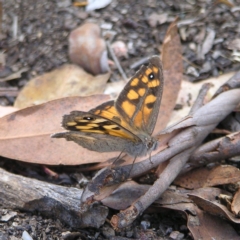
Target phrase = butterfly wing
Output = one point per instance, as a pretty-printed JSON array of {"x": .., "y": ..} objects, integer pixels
[
  {"x": 120, "y": 125},
  {"x": 91, "y": 123},
  {"x": 137, "y": 106},
  {"x": 97, "y": 133},
  {"x": 98, "y": 142},
  {"x": 139, "y": 102}
]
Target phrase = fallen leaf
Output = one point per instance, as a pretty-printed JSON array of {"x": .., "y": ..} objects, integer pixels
[
  {"x": 6, "y": 110},
  {"x": 154, "y": 19},
  {"x": 206, "y": 226},
  {"x": 114, "y": 88},
  {"x": 69, "y": 80},
  {"x": 202, "y": 224},
  {"x": 189, "y": 92},
  {"x": 15, "y": 75},
  {"x": 235, "y": 207},
  {"x": 88, "y": 49},
  {"x": 207, "y": 44},
  {"x": 172, "y": 71},
  {"x": 25, "y": 134},
  {"x": 207, "y": 199},
  {"x": 234, "y": 44},
  {"x": 204, "y": 177}
]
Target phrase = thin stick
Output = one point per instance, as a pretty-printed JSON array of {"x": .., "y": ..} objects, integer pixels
[{"x": 115, "y": 59}]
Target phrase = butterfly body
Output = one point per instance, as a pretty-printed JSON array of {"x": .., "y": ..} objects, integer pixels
[{"x": 124, "y": 125}]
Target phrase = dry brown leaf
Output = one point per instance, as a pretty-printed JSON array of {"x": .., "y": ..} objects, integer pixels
[
  {"x": 155, "y": 18},
  {"x": 226, "y": 2},
  {"x": 201, "y": 224},
  {"x": 235, "y": 207},
  {"x": 205, "y": 226},
  {"x": 88, "y": 49},
  {"x": 6, "y": 110},
  {"x": 189, "y": 92},
  {"x": 25, "y": 134},
  {"x": 207, "y": 199},
  {"x": 15, "y": 75},
  {"x": 172, "y": 69},
  {"x": 114, "y": 88},
  {"x": 69, "y": 80},
  {"x": 204, "y": 177}
]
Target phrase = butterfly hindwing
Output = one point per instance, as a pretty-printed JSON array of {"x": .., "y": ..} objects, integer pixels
[
  {"x": 98, "y": 142},
  {"x": 88, "y": 122}
]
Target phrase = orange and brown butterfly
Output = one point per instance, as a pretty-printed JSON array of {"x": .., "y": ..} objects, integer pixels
[{"x": 126, "y": 124}]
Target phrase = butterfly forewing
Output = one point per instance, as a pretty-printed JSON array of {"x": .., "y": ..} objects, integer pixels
[{"x": 139, "y": 102}]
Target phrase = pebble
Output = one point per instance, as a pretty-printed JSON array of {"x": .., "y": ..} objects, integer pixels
[{"x": 26, "y": 236}]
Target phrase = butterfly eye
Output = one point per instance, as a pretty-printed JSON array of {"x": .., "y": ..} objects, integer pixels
[
  {"x": 88, "y": 118},
  {"x": 150, "y": 144},
  {"x": 151, "y": 76}
]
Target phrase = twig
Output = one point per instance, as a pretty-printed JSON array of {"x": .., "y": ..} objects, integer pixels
[
  {"x": 200, "y": 98},
  {"x": 216, "y": 150},
  {"x": 191, "y": 133},
  {"x": 9, "y": 91},
  {"x": 233, "y": 82},
  {"x": 15, "y": 26},
  {"x": 139, "y": 63},
  {"x": 204, "y": 121},
  {"x": 115, "y": 59}
]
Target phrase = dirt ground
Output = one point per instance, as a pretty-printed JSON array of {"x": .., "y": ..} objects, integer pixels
[{"x": 210, "y": 35}]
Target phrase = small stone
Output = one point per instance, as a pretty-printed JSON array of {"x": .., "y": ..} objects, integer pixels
[
  {"x": 3, "y": 236},
  {"x": 106, "y": 26},
  {"x": 145, "y": 224},
  {"x": 82, "y": 15},
  {"x": 64, "y": 3},
  {"x": 26, "y": 236},
  {"x": 193, "y": 46},
  {"x": 8, "y": 216},
  {"x": 124, "y": 11},
  {"x": 216, "y": 54},
  {"x": 108, "y": 232},
  {"x": 192, "y": 71},
  {"x": 176, "y": 235},
  {"x": 207, "y": 66}
]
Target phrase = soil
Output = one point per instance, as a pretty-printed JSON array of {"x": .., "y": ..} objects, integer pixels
[{"x": 41, "y": 44}]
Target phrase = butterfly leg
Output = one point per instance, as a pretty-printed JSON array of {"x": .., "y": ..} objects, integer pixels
[
  {"x": 115, "y": 161},
  {"x": 150, "y": 158}
]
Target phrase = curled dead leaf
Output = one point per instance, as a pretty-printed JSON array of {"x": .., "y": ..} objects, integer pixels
[
  {"x": 68, "y": 80},
  {"x": 87, "y": 49},
  {"x": 205, "y": 177}
]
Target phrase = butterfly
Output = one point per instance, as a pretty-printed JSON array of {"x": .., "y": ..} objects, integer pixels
[{"x": 126, "y": 124}]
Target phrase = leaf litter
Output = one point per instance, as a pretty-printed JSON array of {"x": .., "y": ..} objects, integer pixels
[{"x": 208, "y": 225}]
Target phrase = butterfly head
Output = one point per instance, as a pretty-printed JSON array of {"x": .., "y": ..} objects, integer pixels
[
  {"x": 147, "y": 145},
  {"x": 151, "y": 144}
]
